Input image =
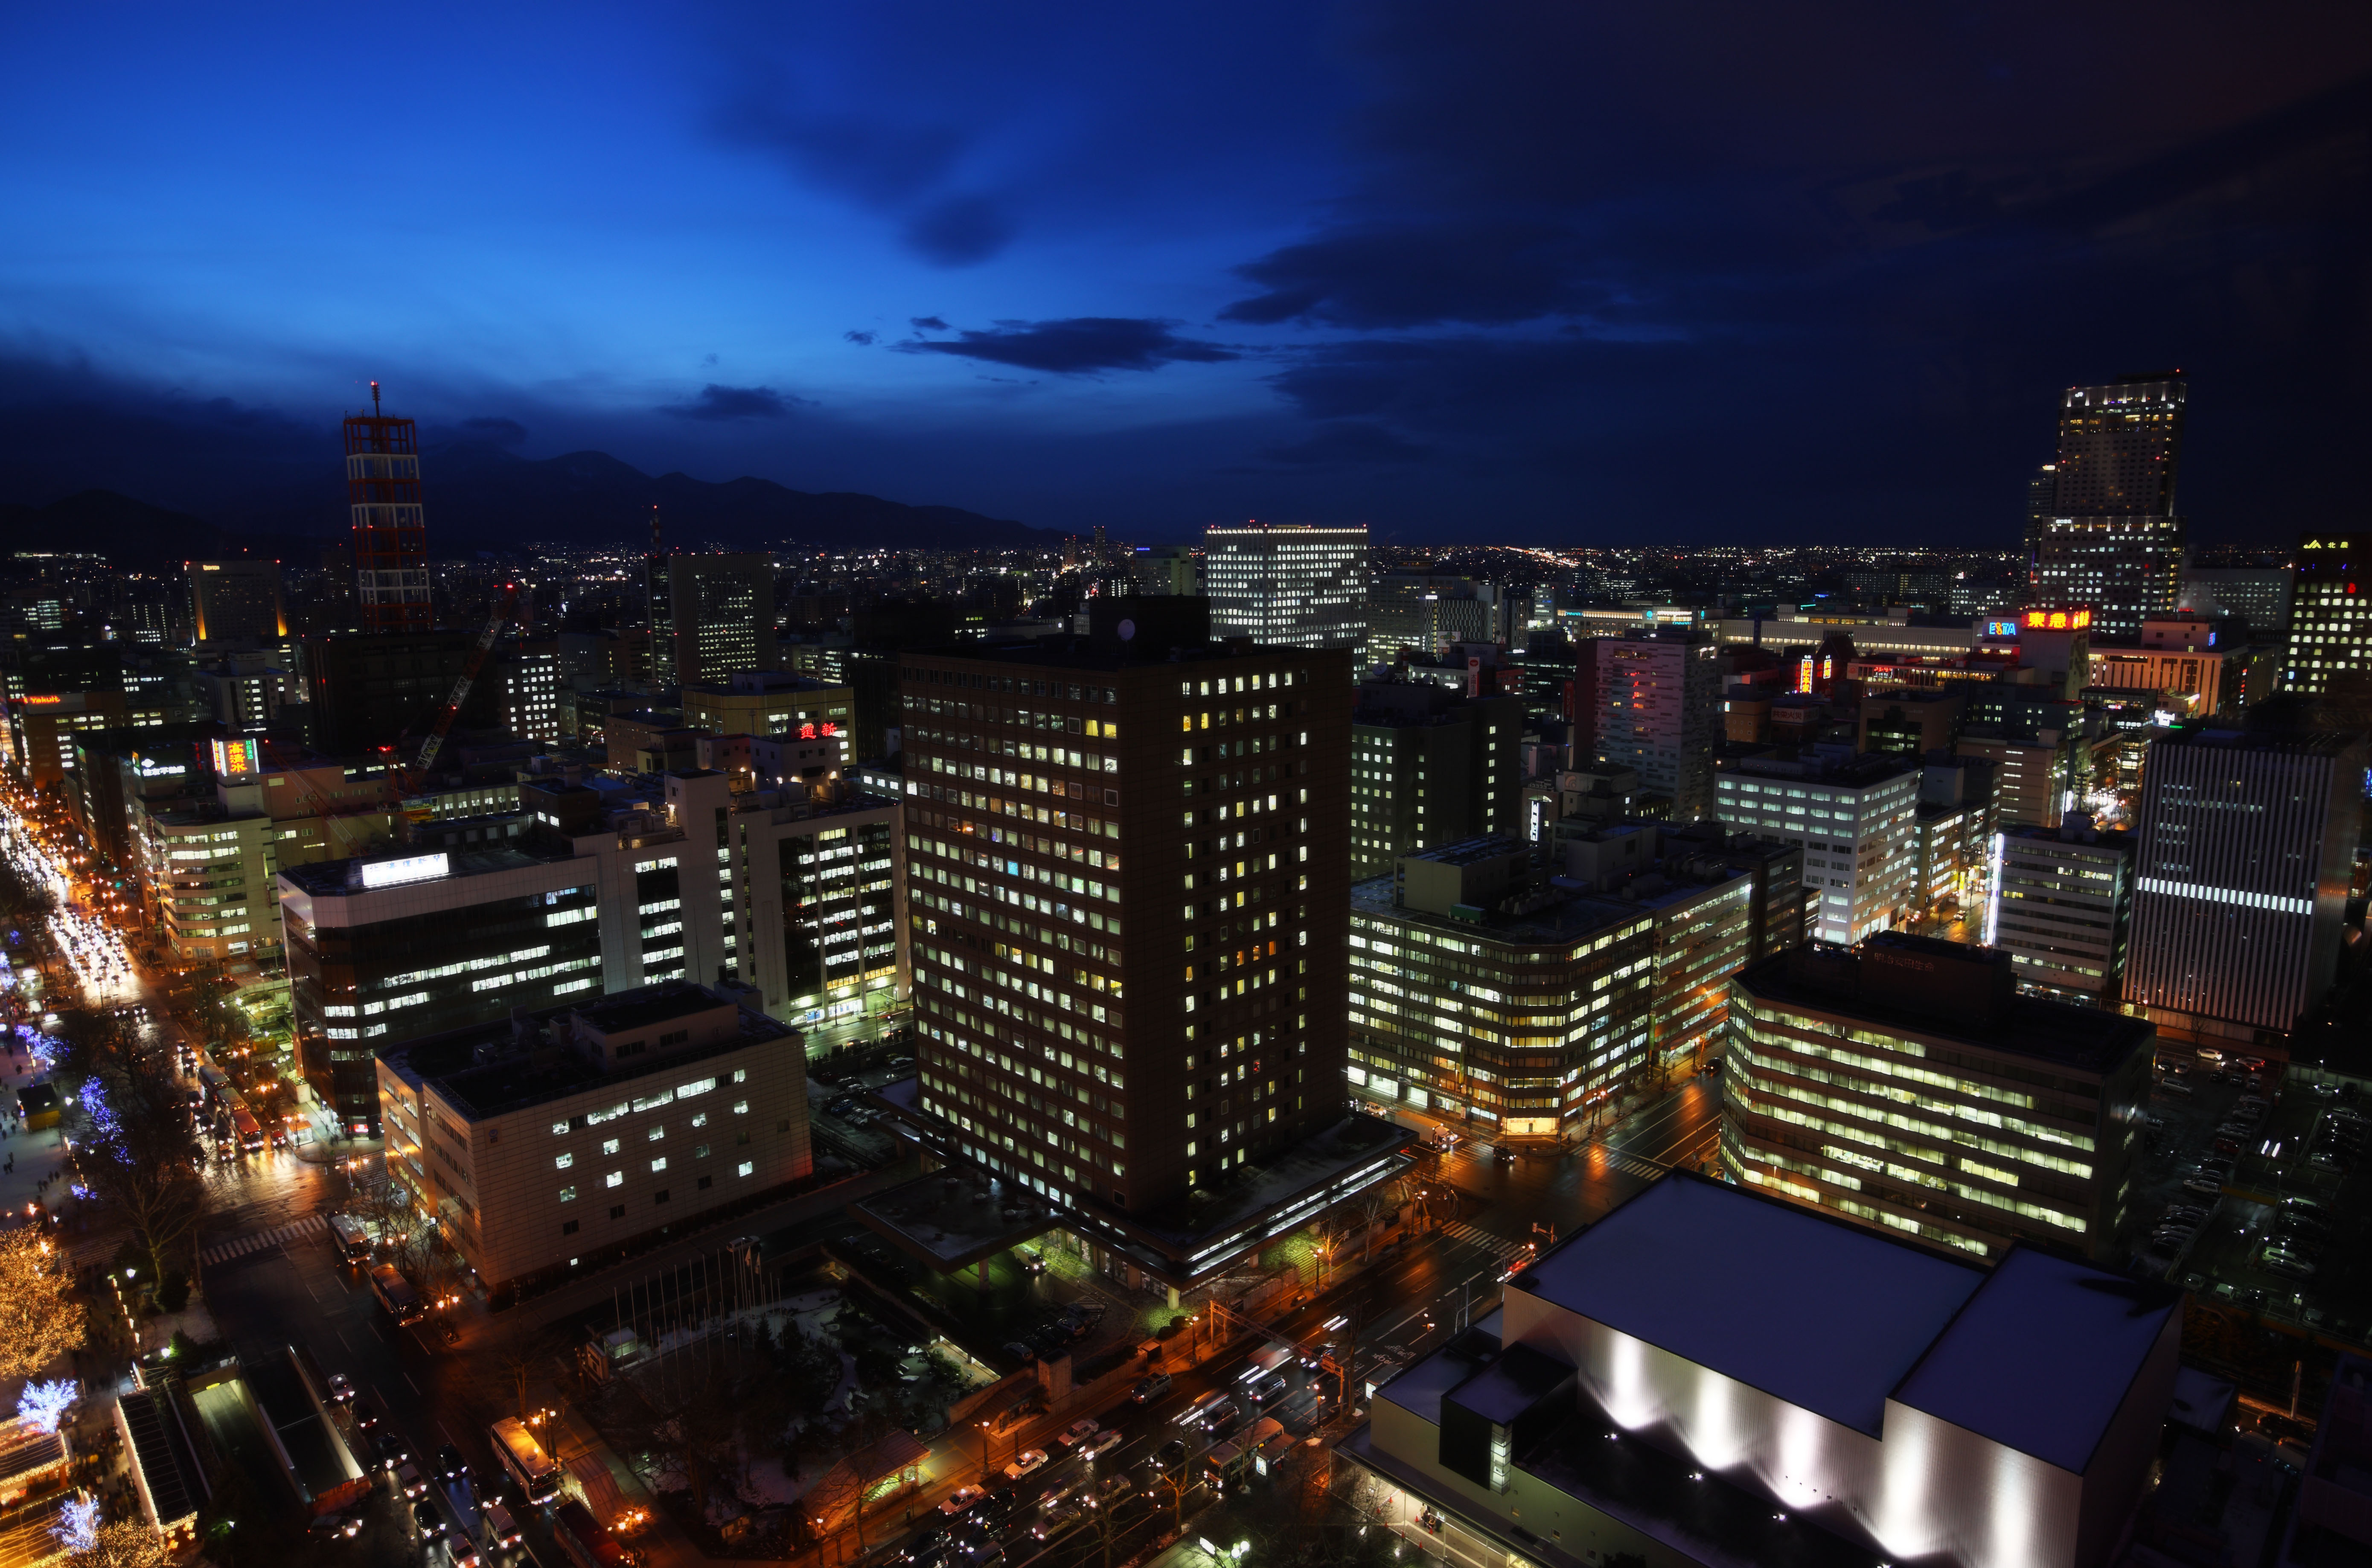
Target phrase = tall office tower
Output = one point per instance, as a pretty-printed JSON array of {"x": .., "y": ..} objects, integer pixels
[
  {"x": 2113, "y": 539},
  {"x": 2127, "y": 569},
  {"x": 2244, "y": 850},
  {"x": 2005, "y": 1118},
  {"x": 2120, "y": 447},
  {"x": 1430, "y": 766},
  {"x": 712, "y": 616},
  {"x": 1658, "y": 712},
  {"x": 390, "y": 537},
  {"x": 1858, "y": 822},
  {"x": 234, "y": 603},
  {"x": 2331, "y": 611},
  {"x": 2258, "y": 595},
  {"x": 1577, "y": 973},
  {"x": 2042, "y": 505},
  {"x": 1287, "y": 585},
  {"x": 1127, "y": 871},
  {"x": 2059, "y": 904}
]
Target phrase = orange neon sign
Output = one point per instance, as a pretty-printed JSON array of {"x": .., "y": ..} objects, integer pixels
[{"x": 2059, "y": 620}]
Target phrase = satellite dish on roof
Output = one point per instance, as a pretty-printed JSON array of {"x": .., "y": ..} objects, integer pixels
[{"x": 1127, "y": 630}]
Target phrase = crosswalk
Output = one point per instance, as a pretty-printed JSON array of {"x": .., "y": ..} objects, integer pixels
[
  {"x": 240, "y": 1247},
  {"x": 1633, "y": 1164},
  {"x": 1482, "y": 1238}
]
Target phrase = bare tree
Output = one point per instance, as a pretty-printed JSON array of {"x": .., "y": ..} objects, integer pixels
[{"x": 139, "y": 1147}]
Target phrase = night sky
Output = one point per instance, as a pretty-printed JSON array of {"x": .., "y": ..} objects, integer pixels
[{"x": 1558, "y": 272}]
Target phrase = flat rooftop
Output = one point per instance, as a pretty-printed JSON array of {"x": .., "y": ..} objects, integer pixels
[
  {"x": 1073, "y": 652},
  {"x": 1837, "y": 1317},
  {"x": 1580, "y": 917},
  {"x": 2041, "y": 1357},
  {"x": 329, "y": 878}
]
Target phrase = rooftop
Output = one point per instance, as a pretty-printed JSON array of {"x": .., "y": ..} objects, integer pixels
[
  {"x": 1574, "y": 917},
  {"x": 1839, "y": 1314},
  {"x": 1948, "y": 991},
  {"x": 1087, "y": 655},
  {"x": 327, "y": 879},
  {"x": 2041, "y": 1358}
]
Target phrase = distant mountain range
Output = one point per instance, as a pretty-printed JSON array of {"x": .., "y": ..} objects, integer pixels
[{"x": 480, "y": 497}]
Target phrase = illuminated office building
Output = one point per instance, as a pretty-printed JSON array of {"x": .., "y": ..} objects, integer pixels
[
  {"x": 2244, "y": 851},
  {"x": 2059, "y": 904},
  {"x": 2128, "y": 569},
  {"x": 235, "y": 603},
  {"x": 1658, "y": 710},
  {"x": 712, "y": 616},
  {"x": 2331, "y": 611},
  {"x": 1856, "y": 822},
  {"x": 1908, "y": 1084},
  {"x": 1287, "y": 585}
]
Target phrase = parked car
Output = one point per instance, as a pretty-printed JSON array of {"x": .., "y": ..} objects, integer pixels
[
  {"x": 2288, "y": 1263},
  {"x": 1079, "y": 1432},
  {"x": 343, "y": 1527},
  {"x": 1020, "y": 1351},
  {"x": 1148, "y": 1390},
  {"x": 2204, "y": 1186},
  {"x": 424, "y": 1516},
  {"x": 1026, "y": 1462}
]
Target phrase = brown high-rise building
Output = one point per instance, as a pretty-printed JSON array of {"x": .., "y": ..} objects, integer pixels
[
  {"x": 1128, "y": 860},
  {"x": 390, "y": 537},
  {"x": 2119, "y": 447}
]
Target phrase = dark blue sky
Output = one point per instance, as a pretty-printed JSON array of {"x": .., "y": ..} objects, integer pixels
[{"x": 1565, "y": 272}]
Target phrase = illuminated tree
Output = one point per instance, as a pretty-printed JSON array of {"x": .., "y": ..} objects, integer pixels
[
  {"x": 139, "y": 1147},
  {"x": 44, "y": 1405},
  {"x": 39, "y": 1319},
  {"x": 126, "y": 1544}
]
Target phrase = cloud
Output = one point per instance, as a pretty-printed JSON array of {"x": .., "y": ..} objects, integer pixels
[
  {"x": 928, "y": 323},
  {"x": 1078, "y": 345},
  {"x": 1409, "y": 275},
  {"x": 1348, "y": 441},
  {"x": 495, "y": 431},
  {"x": 961, "y": 231},
  {"x": 862, "y": 338},
  {"x": 722, "y": 403}
]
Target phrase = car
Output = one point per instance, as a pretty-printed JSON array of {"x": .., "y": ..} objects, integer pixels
[
  {"x": 2192, "y": 1212},
  {"x": 1054, "y": 1497},
  {"x": 431, "y": 1522},
  {"x": 995, "y": 1507},
  {"x": 464, "y": 1552},
  {"x": 962, "y": 1498},
  {"x": 1079, "y": 1431},
  {"x": 2225, "y": 1146},
  {"x": 1102, "y": 1442},
  {"x": 342, "y": 1388},
  {"x": 501, "y": 1530},
  {"x": 2203, "y": 1186},
  {"x": 408, "y": 1481},
  {"x": 1193, "y": 1414},
  {"x": 1020, "y": 1351},
  {"x": 1026, "y": 1462},
  {"x": 392, "y": 1449},
  {"x": 1169, "y": 1455},
  {"x": 2288, "y": 1263},
  {"x": 2235, "y": 1130},
  {"x": 450, "y": 1466},
  {"x": 342, "y": 1526},
  {"x": 1269, "y": 1387},
  {"x": 1112, "y": 1489},
  {"x": 1148, "y": 1390}
]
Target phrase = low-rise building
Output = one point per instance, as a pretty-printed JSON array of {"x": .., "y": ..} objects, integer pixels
[
  {"x": 2059, "y": 905},
  {"x": 1708, "y": 1377},
  {"x": 554, "y": 1140},
  {"x": 1907, "y": 1083}
]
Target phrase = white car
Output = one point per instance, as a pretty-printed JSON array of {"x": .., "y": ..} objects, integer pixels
[
  {"x": 1024, "y": 1463},
  {"x": 1079, "y": 1432},
  {"x": 1102, "y": 1442},
  {"x": 960, "y": 1499}
]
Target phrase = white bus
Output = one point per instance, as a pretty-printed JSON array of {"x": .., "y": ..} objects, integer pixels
[{"x": 524, "y": 1457}]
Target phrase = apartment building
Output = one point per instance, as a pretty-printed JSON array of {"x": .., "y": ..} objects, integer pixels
[
  {"x": 555, "y": 1140},
  {"x": 1907, "y": 1083}
]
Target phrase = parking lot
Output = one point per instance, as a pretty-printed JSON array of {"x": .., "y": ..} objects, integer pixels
[{"x": 2245, "y": 1192}]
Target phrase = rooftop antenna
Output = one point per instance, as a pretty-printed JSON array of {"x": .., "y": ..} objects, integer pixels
[{"x": 375, "y": 399}]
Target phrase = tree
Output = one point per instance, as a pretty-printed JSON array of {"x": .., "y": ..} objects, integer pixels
[
  {"x": 139, "y": 1147},
  {"x": 122, "y": 1544},
  {"x": 39, "y": 1319}
]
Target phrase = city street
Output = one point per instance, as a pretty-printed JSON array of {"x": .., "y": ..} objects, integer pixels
[{"x": 1678, "y": 1130}]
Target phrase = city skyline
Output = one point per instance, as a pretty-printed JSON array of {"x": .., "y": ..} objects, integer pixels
[{"x": 1083, "y": 270}]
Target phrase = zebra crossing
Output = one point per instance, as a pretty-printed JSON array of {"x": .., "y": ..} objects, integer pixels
[
  {"x": 1482, "y": 1238},
  {"x": 240, "y": 1247},
  {"x": 1633, "y": 1164}
]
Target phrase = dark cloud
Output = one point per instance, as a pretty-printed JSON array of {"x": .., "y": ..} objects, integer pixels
[
  {"x": 961, "y": 231},
  {"x": 1407, "y": 275},
  {"x": 1076, "y": 346},
  {"x": 493, "y": 430},
  {"x": 874, "y": 161},
  {"x": 721, "y": 403},
  {"x": 863, "y": 339},
  {"x": 1349, "y": 441},
  {"x": 928, "y": 324}
]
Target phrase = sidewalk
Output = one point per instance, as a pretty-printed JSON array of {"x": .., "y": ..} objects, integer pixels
[{"x": 39, "y": 1157}]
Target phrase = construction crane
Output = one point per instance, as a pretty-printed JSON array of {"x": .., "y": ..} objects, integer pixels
[{"x": 413, "y": 777}]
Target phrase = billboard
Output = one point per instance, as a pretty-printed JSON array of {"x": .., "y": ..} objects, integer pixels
[{"x": 236, "y": 759}]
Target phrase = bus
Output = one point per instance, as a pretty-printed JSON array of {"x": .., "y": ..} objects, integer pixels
[
  {"x": 247, "y": 1129},
  {"x": 352, "y": 1240},
  {"x": 582, "y": 1537},
  {"x": 524, "y": 1457},
  {"x": 395, "y": 1294}
]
